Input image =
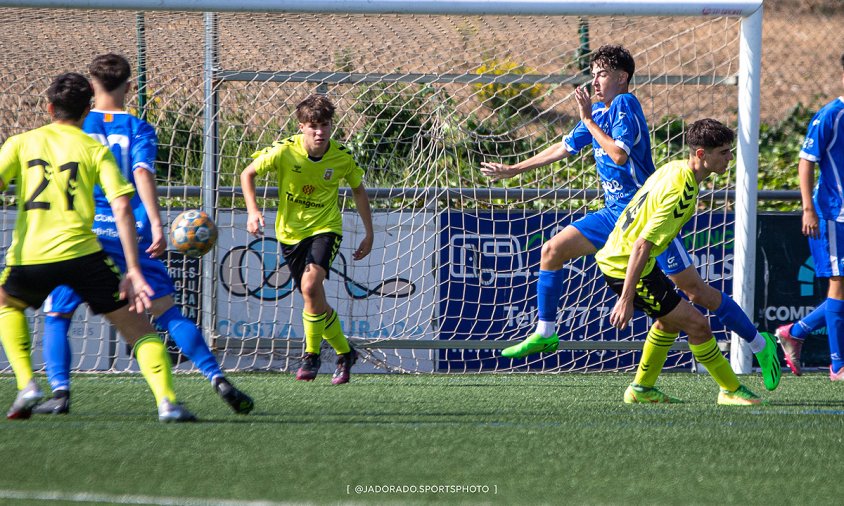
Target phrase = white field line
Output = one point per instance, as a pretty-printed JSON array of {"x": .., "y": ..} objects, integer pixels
[{"x": 90, "y": 497}]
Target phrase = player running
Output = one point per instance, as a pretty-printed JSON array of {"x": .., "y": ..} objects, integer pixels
[
  {"x": 55, "y": 168},
  {"x": 308, "y": 168},
  {"x": 134, "y": 144}
]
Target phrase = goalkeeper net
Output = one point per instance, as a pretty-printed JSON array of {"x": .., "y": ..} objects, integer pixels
[{"x": 422, "y": 100}]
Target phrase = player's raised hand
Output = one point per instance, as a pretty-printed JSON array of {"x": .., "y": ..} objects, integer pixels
[
  {"x": 159, "y": 243},
  {"x": 364, "y": 248},
  {"x": 496, "y": 171},
  {"x": 621, "y": 314},
  {"x": 255, "y": 224},
  {"x": 134, "y": 289},
  {"x": 584, "y": 102}
]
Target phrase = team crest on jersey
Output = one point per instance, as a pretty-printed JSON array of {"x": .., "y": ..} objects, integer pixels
[
  {"x": 328, "y": 174},
  {"x": 308, "y": 189}
]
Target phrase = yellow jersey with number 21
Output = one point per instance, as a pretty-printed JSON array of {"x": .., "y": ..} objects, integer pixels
[{"x": 55, "y": 168}]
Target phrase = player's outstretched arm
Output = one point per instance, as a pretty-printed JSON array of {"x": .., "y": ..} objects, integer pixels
[
  {"x": 147, "y": 191},
  {"x": 133, "y": 286},
  {"x": 365, "y": 212},
  {"x": 255, "y": 221},
  {"x": 551, "y": 154},
  {"x": 623, "y": 310},
  {"x": 806, "y": 173}
]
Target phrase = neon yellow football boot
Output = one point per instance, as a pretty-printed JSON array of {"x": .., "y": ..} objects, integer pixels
[{"x": 637, "y": 394}]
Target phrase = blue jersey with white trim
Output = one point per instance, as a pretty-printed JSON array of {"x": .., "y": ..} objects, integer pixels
[
  {"x": 625, "y": 122},
  {"x": 824, "y": 145},
  {"x": 135, "y": 145}
]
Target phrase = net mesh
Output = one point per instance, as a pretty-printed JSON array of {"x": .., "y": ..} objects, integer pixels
[{"x": 422, "y": 101}]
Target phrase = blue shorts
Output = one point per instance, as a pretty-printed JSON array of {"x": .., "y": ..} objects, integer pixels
[
  {"x": 828, "y": 250},
  {"x": 597, "y": 226},
  {"x": 64, "y": 300}
]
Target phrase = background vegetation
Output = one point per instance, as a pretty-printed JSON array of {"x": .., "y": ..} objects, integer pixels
[{"x": 410, "y": 135}]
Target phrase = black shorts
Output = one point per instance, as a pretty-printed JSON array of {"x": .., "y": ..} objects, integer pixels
[
  {"x": 319, "y": 249},
  {"x": 655, "y": 293},
  {"x": 94, "y": 277}
]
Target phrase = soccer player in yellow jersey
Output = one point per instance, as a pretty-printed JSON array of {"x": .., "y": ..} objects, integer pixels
[
  {"x": 308, "y": 168},
  {"x": 55, "y": 168},
  {"x": 651, "y": 220}
]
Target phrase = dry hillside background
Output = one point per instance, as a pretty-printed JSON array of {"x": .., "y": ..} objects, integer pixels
[{"x": 803, "y": 41}]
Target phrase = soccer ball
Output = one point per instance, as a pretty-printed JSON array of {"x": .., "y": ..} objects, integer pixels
[{"x": 193, "y": 233}]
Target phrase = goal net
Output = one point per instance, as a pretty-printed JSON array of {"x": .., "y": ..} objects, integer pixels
[{"x": 422, "y": 100}]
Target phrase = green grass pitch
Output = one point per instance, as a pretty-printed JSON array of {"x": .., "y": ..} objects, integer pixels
[{"x": 560, "y": 439}]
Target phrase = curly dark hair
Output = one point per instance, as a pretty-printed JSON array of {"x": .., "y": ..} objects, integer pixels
[
  {"x": 614, "y": 58},
  {"x": 70, "y": 94}
]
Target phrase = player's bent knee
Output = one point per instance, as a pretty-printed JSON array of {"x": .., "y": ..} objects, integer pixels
[
  {"x": 704, "y": 295},
  {"x": 666, "y": 327},
  {"x": 698, "y": 329},
  {"x": 310, "y": 290},
  {"x": 132, "y": 326}
]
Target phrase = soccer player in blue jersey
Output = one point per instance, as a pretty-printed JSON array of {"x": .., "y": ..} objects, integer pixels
[
  {"x": 823, "y": 224},
  {"x": 616, "y": 128},
  {"x": 55, "y": 168},
  {"x": 134, "y": 144}
]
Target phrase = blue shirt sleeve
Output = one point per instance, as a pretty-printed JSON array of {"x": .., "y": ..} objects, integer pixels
[
  {"x": 815, "y": 139},
  {"x": 578, "y": 138},
  {"x": 625, "y": 129},
  {"x": 144, "y": 147}
]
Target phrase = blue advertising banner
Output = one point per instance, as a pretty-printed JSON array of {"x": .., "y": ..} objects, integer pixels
[
  {"x": 488, "y": 268},
  {"x": 786, "y": 286}
]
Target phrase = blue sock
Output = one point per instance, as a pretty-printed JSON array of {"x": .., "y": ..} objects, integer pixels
[
  {"x": 189, "y": 339},
  {"x": 731, "y": 316},
  {"x": 810, "y": 323},
  {"x": 549, "y": 289},
  {"x": 835, "y": 329},
  {"x": 57, "y": 352}
]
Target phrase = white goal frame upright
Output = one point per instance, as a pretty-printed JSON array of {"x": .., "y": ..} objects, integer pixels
[{"x": 749, "y": 11}]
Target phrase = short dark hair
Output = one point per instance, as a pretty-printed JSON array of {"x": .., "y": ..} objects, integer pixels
[
  {"x": 70, "y": 94},
  {"x": 708, "y": 133},
  {"x": 315, "y": 109},
  {"x": 111, "y": 70},
  {"x": 614, "y": 58}
]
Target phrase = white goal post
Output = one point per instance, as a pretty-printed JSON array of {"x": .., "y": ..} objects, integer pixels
[{"x": 498, "y": 84}]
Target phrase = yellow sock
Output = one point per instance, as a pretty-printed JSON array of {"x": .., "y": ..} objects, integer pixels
[
  {"x": 314, "y": 327},
  {"x": 654, "y": 354},
  {"x": 711, "y": 357},
  {"x": 14, "y": 334},
  {"x": 155, "y": 366},
  {"x": 334, "y": 334}
]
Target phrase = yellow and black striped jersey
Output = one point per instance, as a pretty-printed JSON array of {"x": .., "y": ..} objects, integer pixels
[
  {"x": 55, "y": 168},
  {"x": 656, "y": 213},
  {"x": 307, "y": 188}
]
